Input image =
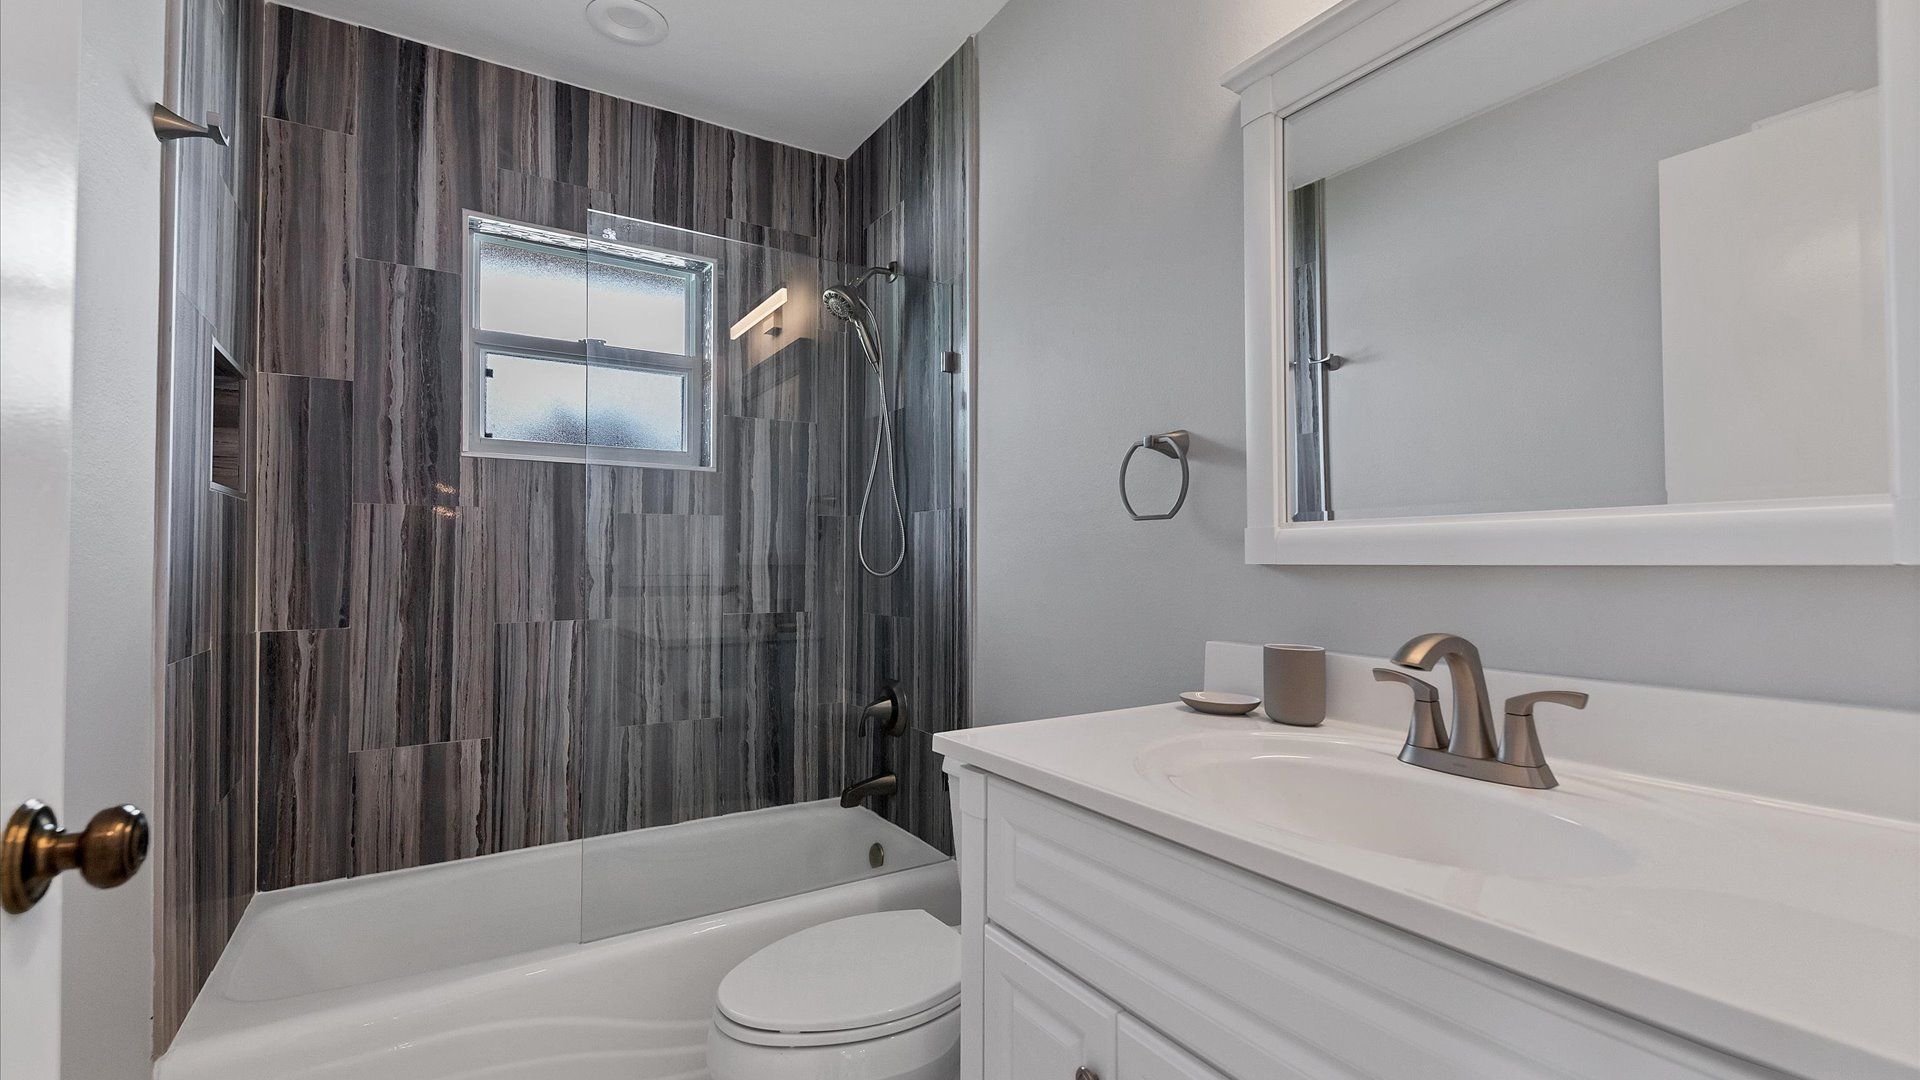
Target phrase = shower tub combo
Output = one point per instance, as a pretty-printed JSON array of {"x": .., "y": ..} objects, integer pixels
[{"x": 592, "y": 960}]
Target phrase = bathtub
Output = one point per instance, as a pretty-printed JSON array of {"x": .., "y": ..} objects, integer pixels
[{"x": 591, "y": 960}]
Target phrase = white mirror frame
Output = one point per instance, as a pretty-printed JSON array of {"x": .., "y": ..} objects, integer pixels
[{"x": 1356, "y": 37}]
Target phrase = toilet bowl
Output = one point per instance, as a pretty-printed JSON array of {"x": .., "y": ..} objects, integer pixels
[{"x": 871, "y": 997}]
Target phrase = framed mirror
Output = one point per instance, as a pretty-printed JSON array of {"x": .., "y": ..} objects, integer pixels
[{"x": 1563, "y": 282}]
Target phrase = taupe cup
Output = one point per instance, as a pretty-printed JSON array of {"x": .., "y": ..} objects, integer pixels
[{"x": 1294, "y": 679}]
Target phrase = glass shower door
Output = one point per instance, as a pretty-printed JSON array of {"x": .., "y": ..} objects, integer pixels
[{"x": 718, "y": 725}]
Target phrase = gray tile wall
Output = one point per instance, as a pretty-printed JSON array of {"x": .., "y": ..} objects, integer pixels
[
  {"x": 205, "y": 818},
  {"x": 454, "y": 656},
  {"x": 451, "y": 656},
  {"x": 909, "y": 199},
  {"x": 466, "y": 655}
]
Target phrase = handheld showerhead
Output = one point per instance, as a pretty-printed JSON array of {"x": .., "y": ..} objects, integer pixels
[
  {"x": 840, "y": 300},
  {"x": 844, "y": 305},
  {"x": 844, "y": 302}
]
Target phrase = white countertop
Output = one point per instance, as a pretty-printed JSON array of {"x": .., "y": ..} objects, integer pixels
[{"x": 1783, "y": 933}]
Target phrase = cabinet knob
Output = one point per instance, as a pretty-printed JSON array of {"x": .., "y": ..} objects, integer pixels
[
  {"x": 34, "y": 850},
  {"x": 1084, "y": 1073}
]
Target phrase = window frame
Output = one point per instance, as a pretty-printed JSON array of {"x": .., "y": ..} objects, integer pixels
[{"x": 695, "y": 367}]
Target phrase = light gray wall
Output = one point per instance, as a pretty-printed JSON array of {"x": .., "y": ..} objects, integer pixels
[
  {"x": 1110, "y": 277},
  {"x": 1496, "y": 286}
]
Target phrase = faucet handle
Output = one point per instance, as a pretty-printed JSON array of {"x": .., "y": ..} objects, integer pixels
[
  {"x": 1524, "y": 703},
  {"x": 1422, "y": 689},
  {"x": 1520, "y": 741},
  {"x": 1425, "y": 728}
]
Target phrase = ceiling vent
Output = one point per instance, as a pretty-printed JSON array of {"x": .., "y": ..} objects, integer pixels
[{"x": 629, "y": 21}]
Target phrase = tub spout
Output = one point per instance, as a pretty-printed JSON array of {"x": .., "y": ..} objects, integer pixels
[{"x": 884, "y": 784}]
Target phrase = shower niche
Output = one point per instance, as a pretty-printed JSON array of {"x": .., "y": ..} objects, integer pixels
[{"x": 227, "y": 433}]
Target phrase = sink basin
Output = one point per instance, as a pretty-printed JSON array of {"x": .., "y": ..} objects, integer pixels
[{"x": 1360, "y": 796}]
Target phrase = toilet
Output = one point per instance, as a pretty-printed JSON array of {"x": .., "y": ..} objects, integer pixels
[{"x": 870, "y": 997}]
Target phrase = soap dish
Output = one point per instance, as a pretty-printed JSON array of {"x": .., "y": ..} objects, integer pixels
[{"x": 1220, "y": 703}]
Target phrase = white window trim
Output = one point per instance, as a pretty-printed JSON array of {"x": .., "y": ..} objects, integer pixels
[{"x": 698, "y": 403}]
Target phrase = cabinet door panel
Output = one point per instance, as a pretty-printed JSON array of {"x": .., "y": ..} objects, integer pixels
[
  {"x": 1041, "y": 1023},
  {"x": 1145, "y": 1055}
]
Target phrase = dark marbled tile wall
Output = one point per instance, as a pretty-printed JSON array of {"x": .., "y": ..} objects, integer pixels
[
  {"x": 205, "y": 819},
  {"x": 909, "y": 198},
  {"x": 463, "y": 655},
  {"x": 303, "y": 498},
  {"x": 451, "y": 656}
]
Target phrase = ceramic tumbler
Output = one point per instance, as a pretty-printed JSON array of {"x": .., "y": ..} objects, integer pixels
[{"x": 1295, "y": 681}]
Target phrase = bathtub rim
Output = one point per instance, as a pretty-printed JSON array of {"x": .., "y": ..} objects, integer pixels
[{"x": 217, "y": 1012}]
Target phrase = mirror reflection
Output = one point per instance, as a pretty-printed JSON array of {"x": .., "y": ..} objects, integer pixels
[{"x": 1640, "y": 265}]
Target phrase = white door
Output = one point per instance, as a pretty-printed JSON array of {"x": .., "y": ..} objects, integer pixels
[
  {"x": 79, "y": 297},
  {"x": 39, "y": 169},
  {"x": 1041, "y": 1023}
]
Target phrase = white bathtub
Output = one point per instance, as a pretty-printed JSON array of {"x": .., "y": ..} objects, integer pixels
[{"x": 477, "y": 968}]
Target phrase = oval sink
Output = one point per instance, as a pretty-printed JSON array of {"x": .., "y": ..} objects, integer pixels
[{"x": 1358, "y": 796}]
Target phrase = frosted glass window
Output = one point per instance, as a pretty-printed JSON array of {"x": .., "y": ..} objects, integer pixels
[
  {"x": 578, "y": 355},
  {"x": 552, "y": 292},
  {"x": 638, "y": 308},
  {"x": 536, "y": 291},
  {"x": 535, "y": 399},
  {"x": 637, "y": 409}
]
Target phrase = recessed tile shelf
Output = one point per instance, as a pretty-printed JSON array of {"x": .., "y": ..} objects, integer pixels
[{"x": 227, "y": 385}]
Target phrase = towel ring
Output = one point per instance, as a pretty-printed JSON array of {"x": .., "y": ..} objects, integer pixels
[{"x": 1174, "y": 445}]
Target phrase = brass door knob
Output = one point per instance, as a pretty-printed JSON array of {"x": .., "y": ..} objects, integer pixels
[{"x": 35, "y": 850}]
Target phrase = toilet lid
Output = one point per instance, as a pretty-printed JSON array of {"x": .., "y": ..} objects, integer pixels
[{"x": 850, "y": 973}]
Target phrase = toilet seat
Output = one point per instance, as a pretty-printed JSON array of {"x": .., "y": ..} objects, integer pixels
[
  {"x": 845, "y": 981},
  {"x": 761, "y": 1037},
  {"x": 928, "y": 1051}
]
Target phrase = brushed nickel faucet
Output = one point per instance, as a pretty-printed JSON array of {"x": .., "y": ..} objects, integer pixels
[
  {"x": 1468, "y": 748},
  {"x": 1472, "y": 735}
]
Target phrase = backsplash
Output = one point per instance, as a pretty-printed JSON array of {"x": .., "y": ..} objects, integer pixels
[{"x": 1774, "y": 748}]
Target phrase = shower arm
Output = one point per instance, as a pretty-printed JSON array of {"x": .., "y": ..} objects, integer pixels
[{"x": 892, "y": 270}]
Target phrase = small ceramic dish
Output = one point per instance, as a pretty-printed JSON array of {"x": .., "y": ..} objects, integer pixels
[{"x": 1220, "y": 703}]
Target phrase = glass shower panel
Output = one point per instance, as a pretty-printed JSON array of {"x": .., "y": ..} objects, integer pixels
[{"x": 729, "y": 654}]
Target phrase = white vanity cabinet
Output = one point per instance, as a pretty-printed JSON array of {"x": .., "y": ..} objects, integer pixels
[
  {"x": 1041, "y": 1021},
  {"x": 1091, "y": 945},
  {"x": 1145, "y": 1055}
]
